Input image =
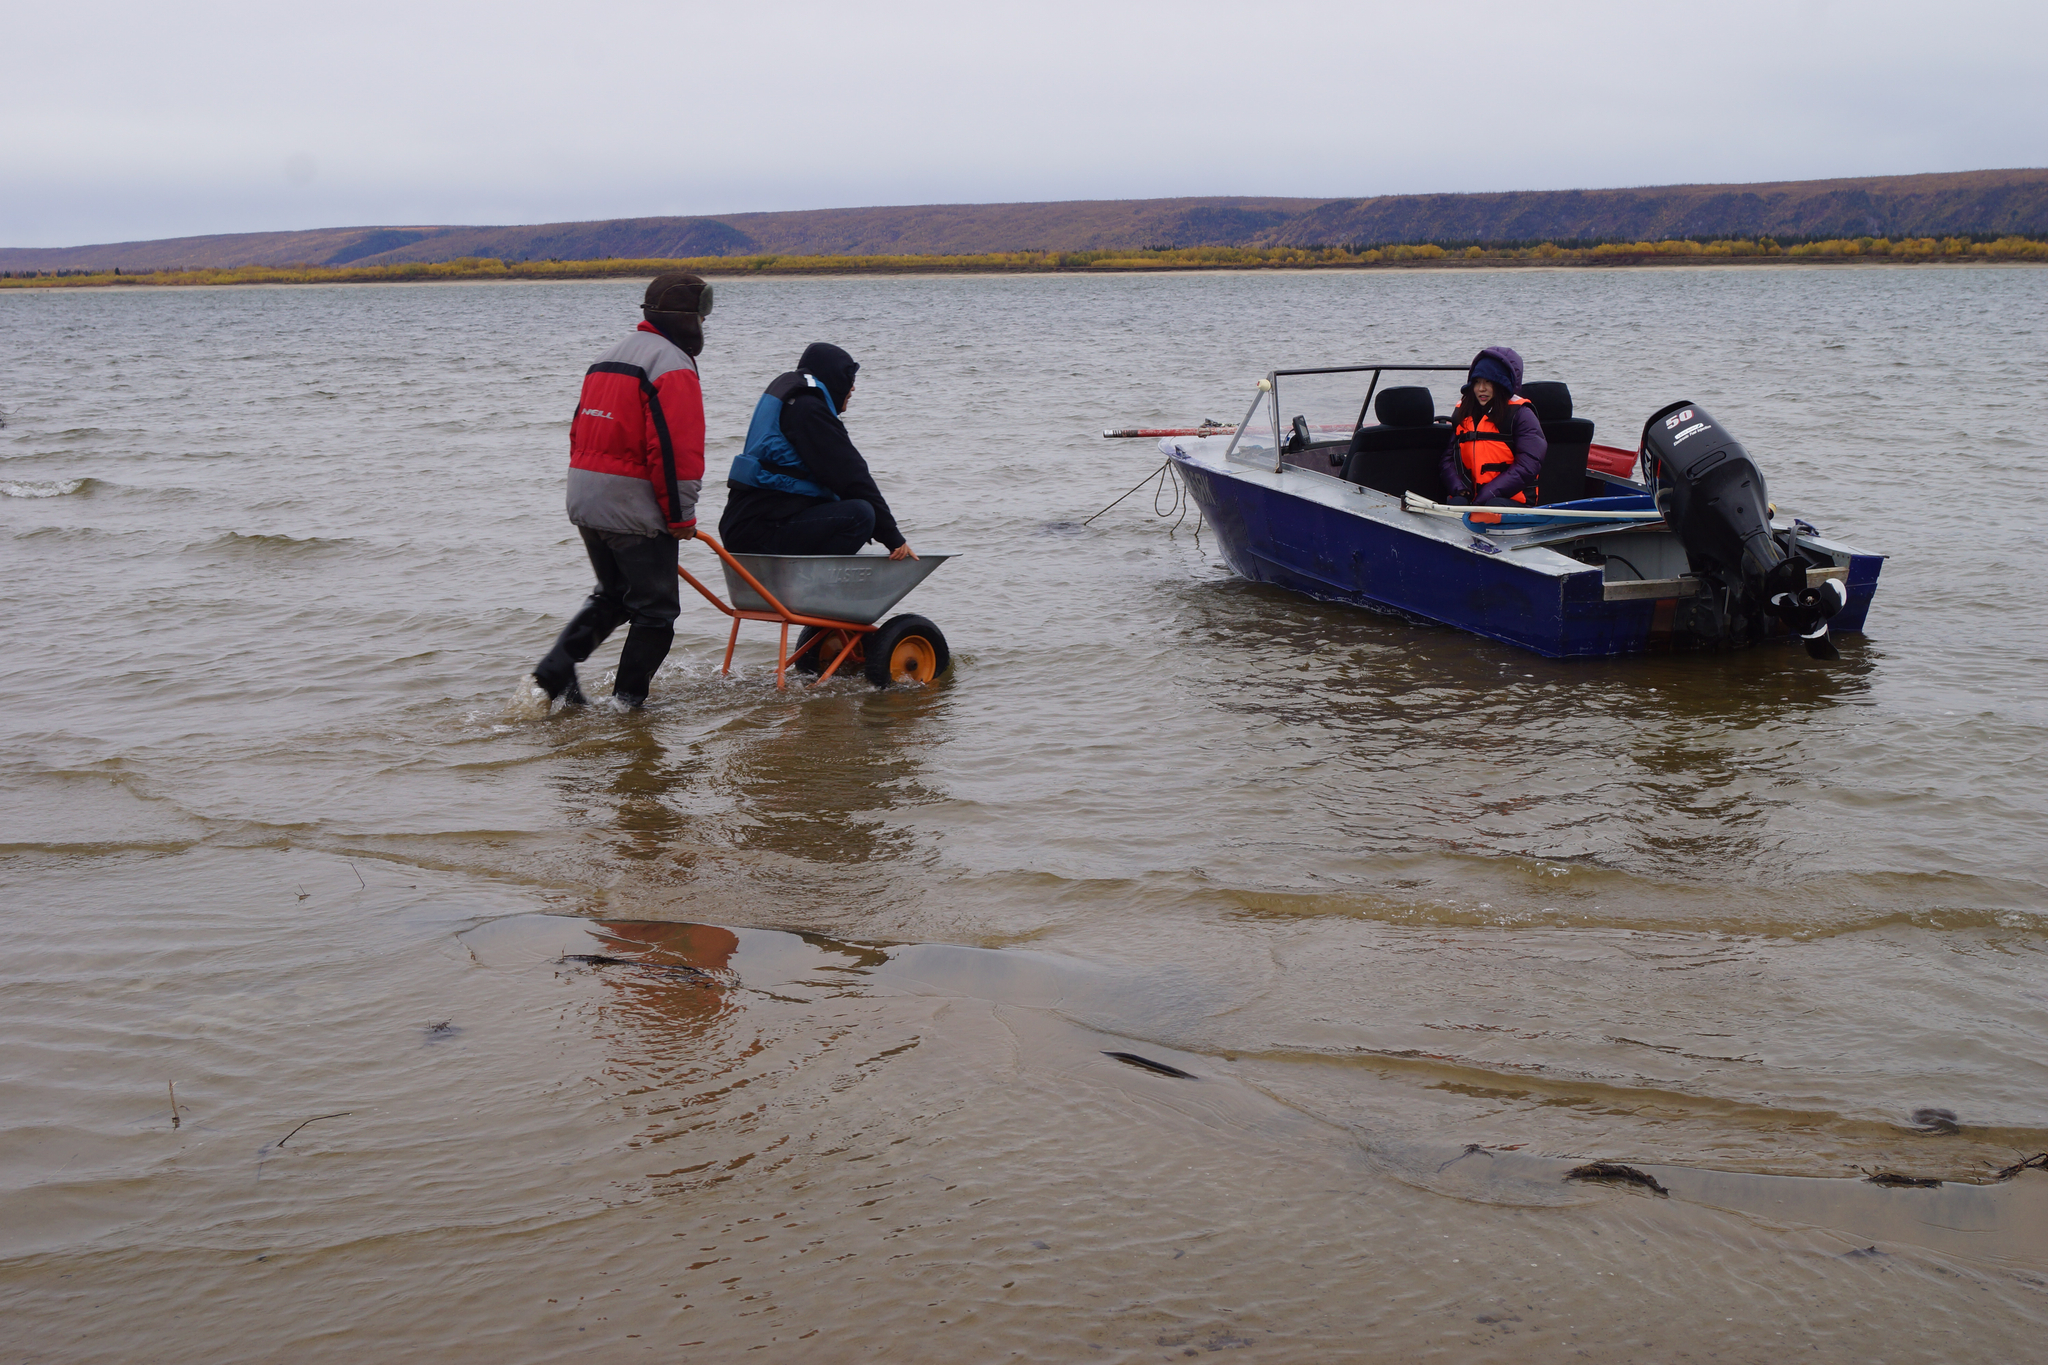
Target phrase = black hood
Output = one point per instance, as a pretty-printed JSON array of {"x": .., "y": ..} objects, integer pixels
[{"x": 831, "y": 367}]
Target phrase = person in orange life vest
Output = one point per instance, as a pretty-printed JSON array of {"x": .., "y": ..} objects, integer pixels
[
  {"x": 636, "y": 463},
  {"x": 1497, "y": 446}
]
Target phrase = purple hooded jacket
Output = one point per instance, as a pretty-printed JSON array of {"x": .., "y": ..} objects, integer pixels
[{"x": 1525, "y": 436}]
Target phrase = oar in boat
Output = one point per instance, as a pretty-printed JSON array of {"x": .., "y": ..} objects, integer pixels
[
  {"x": 1206, "y": 429},
  {"x": 1509, "y": 517}
]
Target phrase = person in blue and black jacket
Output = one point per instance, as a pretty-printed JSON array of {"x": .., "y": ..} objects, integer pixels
[{"x": 800, "y": 487}]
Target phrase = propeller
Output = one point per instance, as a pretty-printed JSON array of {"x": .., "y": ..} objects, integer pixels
[
  {"x": 1818, "y": 645},
  {"x": 1809, "y": 610}
]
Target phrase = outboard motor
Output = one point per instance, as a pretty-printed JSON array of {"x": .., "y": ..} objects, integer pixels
[{"x": 1713, "y": 497}]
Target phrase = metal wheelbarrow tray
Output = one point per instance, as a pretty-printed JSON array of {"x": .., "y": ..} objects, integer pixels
[
  {"x": 855, "y": 588},
  {"x": 840, "y": 597}
]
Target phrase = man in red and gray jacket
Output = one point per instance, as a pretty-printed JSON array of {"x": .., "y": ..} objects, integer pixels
[{"x": 636, "y": 462}]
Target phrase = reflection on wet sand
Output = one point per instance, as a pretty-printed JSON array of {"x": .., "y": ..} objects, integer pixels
[
  {"x": 797, "y": 811},
  {"x": 912, "y": 1123},
  {"x": 679, "y": 978},
  {"x": 631, "y": 1135},
  {"x": 818, "y": 782},
  {"x": 645, "y": 824}
]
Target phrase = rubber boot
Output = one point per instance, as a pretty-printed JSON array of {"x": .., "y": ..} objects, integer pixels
[
  {"x": 587, "y": 629},
  {"x": 646, "y": 647}
]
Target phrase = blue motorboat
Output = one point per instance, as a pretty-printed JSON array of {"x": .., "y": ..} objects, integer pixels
[{"x": 1324, "y": 502}]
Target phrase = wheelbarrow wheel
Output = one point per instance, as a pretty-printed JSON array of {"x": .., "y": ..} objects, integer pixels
[
  {"x": 817, "y": 660},
  {"x": 907, "y": 649}
]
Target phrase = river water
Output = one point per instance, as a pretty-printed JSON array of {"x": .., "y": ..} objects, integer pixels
[{"x": 778, "y": 1020}]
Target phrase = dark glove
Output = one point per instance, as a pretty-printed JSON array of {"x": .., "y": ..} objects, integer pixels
[
  {"x": 1493, "y": 495},
  {"x": 1459, "y": 498}
]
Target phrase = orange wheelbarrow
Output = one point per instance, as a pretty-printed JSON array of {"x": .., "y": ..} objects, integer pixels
[{"x": 835, "y": 600}]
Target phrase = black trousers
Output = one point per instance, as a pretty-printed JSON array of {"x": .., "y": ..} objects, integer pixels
[
  {"x": 830, "y": 528},
  {"x": 636, "y": 578}
]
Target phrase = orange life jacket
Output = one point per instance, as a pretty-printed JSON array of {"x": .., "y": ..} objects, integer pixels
[{"x": 1484, "y": 452}]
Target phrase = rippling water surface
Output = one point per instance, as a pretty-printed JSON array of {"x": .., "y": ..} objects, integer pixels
[{"x": 1430, "y": 921}]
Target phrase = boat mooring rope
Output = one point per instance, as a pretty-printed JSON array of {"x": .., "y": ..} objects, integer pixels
[{"x": 1177, "y": 508}]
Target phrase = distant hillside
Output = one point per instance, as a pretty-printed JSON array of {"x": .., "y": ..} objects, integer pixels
[
  {"x": 929, "y": 230},
  {"x": 219, "y": 253},
  {"x": 1960, "y": 203},
  {"x": 936, "y": 229},
  {"x": 1968, "y": 202}
]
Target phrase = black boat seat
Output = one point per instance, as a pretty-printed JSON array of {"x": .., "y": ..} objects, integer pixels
[
  {"x": 1405, "y": 451},
  {"x": 1405, "y": 405},
  {"x": 1570, "y": 440}
]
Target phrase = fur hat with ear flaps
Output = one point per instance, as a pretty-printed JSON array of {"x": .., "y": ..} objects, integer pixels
[{"x": 677, "y": 304}]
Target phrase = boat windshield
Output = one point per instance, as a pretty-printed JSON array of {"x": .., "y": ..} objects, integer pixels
[
  {"x": 1331, "y": 403},
  {"x": 1255, "y": 442},
  {"x": 1328, "y": 404}
]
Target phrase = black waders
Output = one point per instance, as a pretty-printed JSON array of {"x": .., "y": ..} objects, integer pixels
[
  {"x": 646, "y": 647},
  {"x": 587, "y": 629}
]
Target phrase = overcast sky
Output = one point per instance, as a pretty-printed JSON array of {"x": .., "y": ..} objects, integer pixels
[{"x": 128, "y": 121}]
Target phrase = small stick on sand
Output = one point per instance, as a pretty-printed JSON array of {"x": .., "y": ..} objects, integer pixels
[
  {"x": 359, "y": 876},
  {"x": 2038, "y": 1162},
  {"x": 174, "y": 1102},
  {"x": 315, "y": 1119}
]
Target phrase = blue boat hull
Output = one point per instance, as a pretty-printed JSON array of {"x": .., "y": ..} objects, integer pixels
[{"x": 1271, "y": 536}]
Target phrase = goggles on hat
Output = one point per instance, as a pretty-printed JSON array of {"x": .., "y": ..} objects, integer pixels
[{"x": 680, "y": 293}]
